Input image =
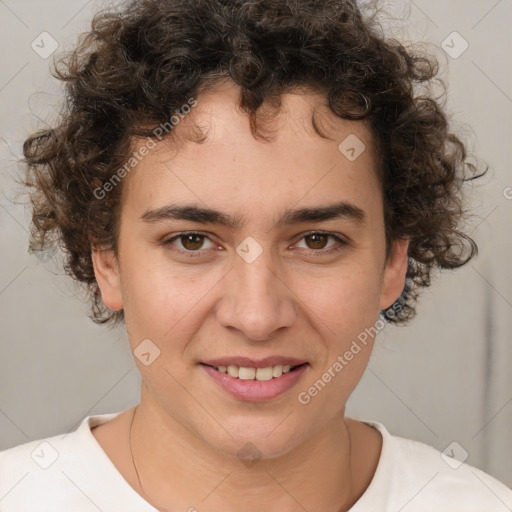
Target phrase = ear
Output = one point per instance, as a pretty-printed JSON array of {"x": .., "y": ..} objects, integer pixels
[
  {"x": 394, "y": 274},
  {"x": 106, "y": 270}
]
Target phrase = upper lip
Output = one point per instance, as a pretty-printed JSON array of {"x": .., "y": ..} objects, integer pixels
[{"x": 248, "y": 362}]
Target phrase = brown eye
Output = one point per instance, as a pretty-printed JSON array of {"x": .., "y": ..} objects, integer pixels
[
  {"x": 189, "y": 244},
  {"x": 319, "y": 240},
  {"x": 192, "y": 242},
  {"x": 316, "y": 242}
]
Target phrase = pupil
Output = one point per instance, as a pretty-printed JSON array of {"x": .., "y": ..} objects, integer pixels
[
  {"x": 196, "y": 245},
  {"x": 318, "y": 236}
]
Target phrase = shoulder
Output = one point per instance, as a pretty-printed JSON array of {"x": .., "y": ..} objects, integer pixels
[
  {"x": 45, "y": 474},
  {"x": 33, "y": 469},
  {"x": 420, "y": 478}
]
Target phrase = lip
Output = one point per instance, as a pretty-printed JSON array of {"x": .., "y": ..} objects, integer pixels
[
  {"x": 248, "y": 362},
  {"x": 255, "y": 390}
]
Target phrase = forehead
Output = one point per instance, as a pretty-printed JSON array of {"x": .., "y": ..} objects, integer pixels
[
  {"x": 213, "y": 156},
  {"x": 302, "y": 113}
]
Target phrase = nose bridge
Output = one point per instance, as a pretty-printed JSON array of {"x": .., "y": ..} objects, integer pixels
[
  {"x": 257, "y": 301},
  {"x": 256, "y": 278}
]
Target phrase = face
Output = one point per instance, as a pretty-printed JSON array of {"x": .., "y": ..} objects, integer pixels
[{"x": 298, "y": 288}]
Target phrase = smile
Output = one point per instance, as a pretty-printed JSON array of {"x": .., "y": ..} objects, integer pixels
[
  {"x": 255, "y": 384},
  {"x": 248, "y": 373}
]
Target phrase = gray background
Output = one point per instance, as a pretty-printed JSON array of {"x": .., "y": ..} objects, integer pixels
[{"x": 444, "y": 378}]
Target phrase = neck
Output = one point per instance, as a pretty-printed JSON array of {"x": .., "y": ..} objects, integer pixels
[{"x": 178, "y": 470}]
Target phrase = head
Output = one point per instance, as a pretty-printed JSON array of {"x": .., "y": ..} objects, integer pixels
[{"x": 317, "y": 188}]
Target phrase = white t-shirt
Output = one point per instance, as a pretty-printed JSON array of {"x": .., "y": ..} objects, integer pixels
[{"x": 71, "y": 473}]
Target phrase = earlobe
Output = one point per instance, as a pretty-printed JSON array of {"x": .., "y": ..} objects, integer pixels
[
  {"x": 394, "y": 274},
  {"x": 106, "y": 271}
]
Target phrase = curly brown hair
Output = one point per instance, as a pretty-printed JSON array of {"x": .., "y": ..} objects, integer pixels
[{"x": 143, "y": 60}]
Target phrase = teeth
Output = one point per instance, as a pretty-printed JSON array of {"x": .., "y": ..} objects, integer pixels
[
  {"x": 277, "y": 370},
  {"x": 233, "y": 371},
  {"x": 245, "y": 373}
]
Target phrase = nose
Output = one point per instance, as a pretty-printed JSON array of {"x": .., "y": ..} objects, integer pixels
[{"x": 256, "y": 300}]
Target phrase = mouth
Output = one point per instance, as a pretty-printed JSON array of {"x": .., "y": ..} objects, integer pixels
[
  {"x": 255, "y": 383},
  {"x": 253, "y": 373}
]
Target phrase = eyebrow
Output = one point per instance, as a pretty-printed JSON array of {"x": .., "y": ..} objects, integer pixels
[{"x": 193, "y": 213}]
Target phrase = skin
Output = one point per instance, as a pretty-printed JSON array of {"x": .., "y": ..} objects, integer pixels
[{"x": 187, "y": 431}]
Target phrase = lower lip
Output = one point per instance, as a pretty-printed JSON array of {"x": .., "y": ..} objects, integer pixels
[{"x": 255, "y": 390}]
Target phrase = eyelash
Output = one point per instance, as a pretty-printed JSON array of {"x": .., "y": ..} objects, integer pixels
[{"x": 199, "y": 253}]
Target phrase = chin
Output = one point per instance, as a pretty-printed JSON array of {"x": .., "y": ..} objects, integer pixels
[{"x": 248, "y": 442}]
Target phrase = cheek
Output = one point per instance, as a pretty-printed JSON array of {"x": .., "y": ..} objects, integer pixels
[
  {"x": 164, "y": 300},
  {"x": 345, "y": 313},
  {"x": 345, "y": 300}
]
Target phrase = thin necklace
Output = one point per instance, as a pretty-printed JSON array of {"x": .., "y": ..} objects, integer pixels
[
  {"x": 343, "y": 509},
  {"x": 135, "y": 467},
  {"x": 165, "y": 510}
]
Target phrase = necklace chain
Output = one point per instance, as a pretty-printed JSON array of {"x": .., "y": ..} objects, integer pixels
[
  {"x": 165, "y": 510},
  {"x": 133, "y": 461}
]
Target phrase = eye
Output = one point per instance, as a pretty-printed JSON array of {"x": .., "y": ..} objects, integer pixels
[
  {"x": 191, "y": 243},
  {"x": 318, "y": 239}
]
